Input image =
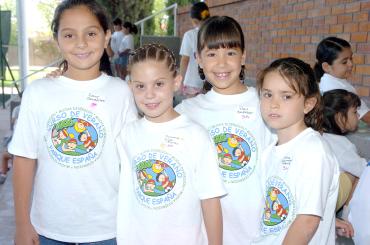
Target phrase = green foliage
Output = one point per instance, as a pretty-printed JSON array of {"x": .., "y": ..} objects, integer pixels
[
  {"x": 47, "y": 7},
  {"x": 171, "y": 19},
  {"x": 180, "y": 2},
  {"x": 10, "y": 5},
  {"x": 128, "y": 10}
]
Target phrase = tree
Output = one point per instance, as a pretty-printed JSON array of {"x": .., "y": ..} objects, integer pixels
[
  {"x": 128, "y": 10},
  {"x": 10, "y": 5},
  {"x": 47, "y": 8}
]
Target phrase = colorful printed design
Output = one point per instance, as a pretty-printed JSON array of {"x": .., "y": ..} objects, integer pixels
[
  {"x": 279, "y": 209},
  {"x": 76, "y": 137},
  {"x": 237, "y": 151},
  {"x": 160, "y": 179}
]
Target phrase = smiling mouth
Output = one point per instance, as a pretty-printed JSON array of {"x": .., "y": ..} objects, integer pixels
[
  {"x": 151, "y": 105},
  {"x": 83, "y": 56},
  {"x": 222, "y": 75}
]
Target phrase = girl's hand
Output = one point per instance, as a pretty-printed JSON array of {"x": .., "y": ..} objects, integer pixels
[
  {"x": 344, "y": 228},
  {"x": 54, "y": 74},
  {"x": 26, "y": 235}
]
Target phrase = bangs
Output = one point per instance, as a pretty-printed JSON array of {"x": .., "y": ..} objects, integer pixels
[
  {"x": 221, "y": 41},
  {"x": 220, "y": 32}
]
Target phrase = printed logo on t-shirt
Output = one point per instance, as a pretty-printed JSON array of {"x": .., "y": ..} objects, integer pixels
[
  {"x": 279, "y": 211},
  {"x": 76, "y": 137},
  {"x": 237, "y": 151},
  {"x": 160, "y": 179}
]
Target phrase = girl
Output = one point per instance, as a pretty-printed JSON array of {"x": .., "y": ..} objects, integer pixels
[
  {"x": 340, "y": 118},
  {"x": 299, "y": 173},
  {"x": 115, "y": 42},
  {"x": 126, "y": 45},
  {"x": 230, "y": 112},
  {"x": 170, "y": 189},
  {"x": 333, "y": 68},
  {"x": 359, "y": 207},
  {"x": 75, "y": 194},
  {"x": 192, "y": 83}
]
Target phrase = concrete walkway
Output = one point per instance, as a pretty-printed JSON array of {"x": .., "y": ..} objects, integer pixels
[{"x": 7, "y": 224}]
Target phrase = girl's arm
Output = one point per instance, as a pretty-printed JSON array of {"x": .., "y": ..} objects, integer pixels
[
  {"x": 24, "y": 170},
  {"x": 366, "y": 118},
  {"x": 184, "y": 62},
  {"x": 212, "y": 216},
  {"x": 302, "y": 229}
]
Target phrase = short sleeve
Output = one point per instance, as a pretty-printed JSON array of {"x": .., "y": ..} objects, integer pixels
[
  {"x": 363, "y": 109},
  {"x": 186, "y": 45},
  {"x": 25, "y": 138},
  {"x": 315, "y": 180}
]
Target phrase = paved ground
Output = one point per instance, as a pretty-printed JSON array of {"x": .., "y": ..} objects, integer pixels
[{"x": 7, "y": 225}]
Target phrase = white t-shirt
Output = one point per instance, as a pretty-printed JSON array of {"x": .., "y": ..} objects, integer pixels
[
  {"x": 189, "y": 48},
  {"x": 115, "y": 42},
  {"x": 299, "y": 177},
  {"x": 346, "y": 153},
  {"x": 70, "y": 127},
  {"x": 126, "y": 43},
  {"x": 329, "y": 82},
  {"x": 359, "y": 214},
  {"x": 235, "y": 124},
  {"x": 172, "y": 166}
]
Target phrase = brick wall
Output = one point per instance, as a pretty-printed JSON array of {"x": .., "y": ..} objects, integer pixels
[{"x": 280, "y": 28}]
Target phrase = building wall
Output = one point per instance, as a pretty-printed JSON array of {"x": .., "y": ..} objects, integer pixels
[{"x": 275, "y": 29}]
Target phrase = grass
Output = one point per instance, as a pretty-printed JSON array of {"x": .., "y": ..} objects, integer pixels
[{"x": 15, "y": 71}]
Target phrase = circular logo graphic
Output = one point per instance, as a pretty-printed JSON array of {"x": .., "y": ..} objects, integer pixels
[
  {"x": 160, "y": 179},
  {"x": 76, "y": 137},
  {"x": 237, "y": 151},
  {"x": 233, "y": 151},
  {"x": 156, "y": 178},
  {"x": 276, "y": 207},
  {"x": 280, "y": 207}
]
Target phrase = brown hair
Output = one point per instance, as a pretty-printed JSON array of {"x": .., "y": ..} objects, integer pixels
[
  {"x": 220, "y": 32},
  {"x": 300, "y": 77},
  {"x": 156, "y": 52}
]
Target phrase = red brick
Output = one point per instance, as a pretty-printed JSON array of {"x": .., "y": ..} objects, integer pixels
[
  {"x": 359, "y": 37},
  {"x": 295, "y": 39},
  {"x": 365, "y": 6},
  {"x": 300, "y": 31},
  {"x": 331, "y": 20},
  {"x": 358, "y": 59},
  {"x": 344, "y": 18},
  {"x": 366, "y": 80},
  {"x": 308, "y": 5},
  {"x": 361, "y": 16},
  {"x": 338, "y": 9},
  {"x": 297, "y": 7},
  {"x": 301, "y": 14},
  {"x": 363, "y": 69},
  {"x": 336, "y": 28},
  {"x": 351, "y": 27},
  {"x": 346, "y": 36},
  {"x": 353, "y": 7},
  {"x": 363, "y": 91},
  {"x": 306, "y": 39},
  {"x": 307, "y": 22},
  {"x": 364, "y": 26}
]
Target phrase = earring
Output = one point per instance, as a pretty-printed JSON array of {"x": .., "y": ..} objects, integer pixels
[
  {"x": 242, "y": 74},
  {"x": 201, "y": 73}
]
